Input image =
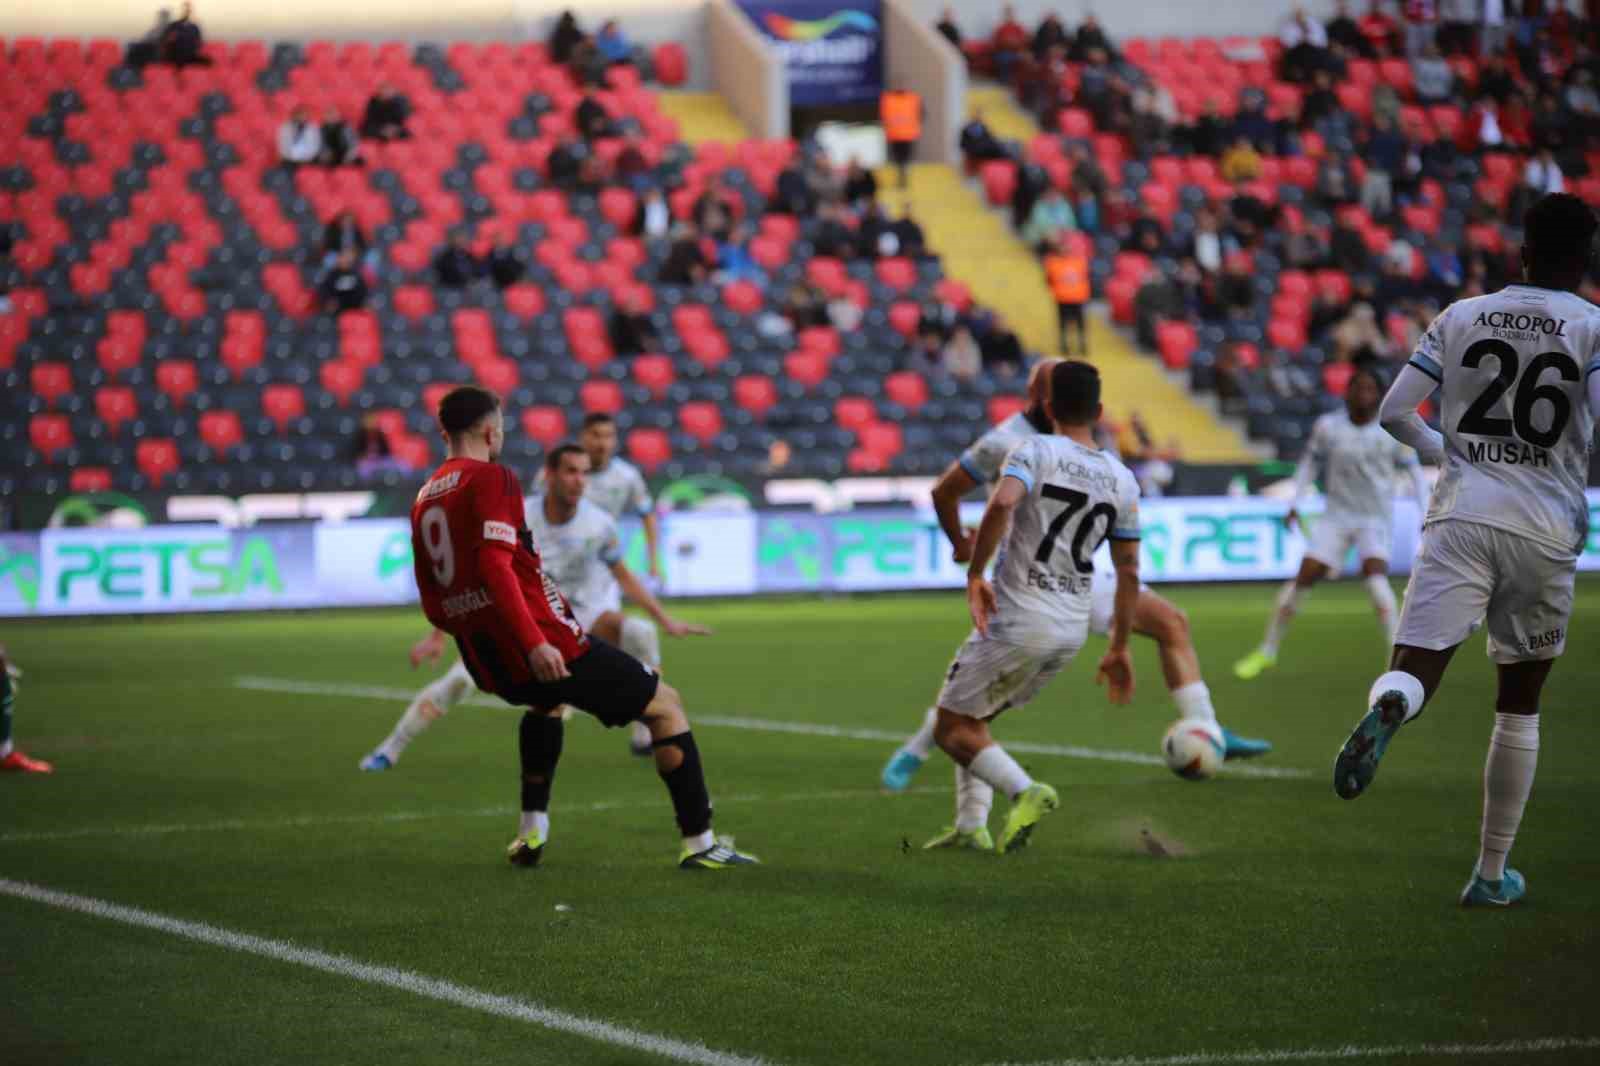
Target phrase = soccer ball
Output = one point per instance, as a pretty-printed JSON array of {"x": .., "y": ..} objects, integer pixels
[{"x": 1193, "y": 750}]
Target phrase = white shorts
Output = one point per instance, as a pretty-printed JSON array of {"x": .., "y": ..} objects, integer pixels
[
  {"x": 1103, "y": 594},
  {"x": 1332, "y": 538},
  {"x": 588, "y": 613},
  {"x": 988, "y": 676},
  {"x": 1466, "y": 571}
]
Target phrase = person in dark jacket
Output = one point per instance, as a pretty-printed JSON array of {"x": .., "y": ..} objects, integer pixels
[
  {"x": 686, "y": 262},
  {"x": 564, "y": 37},
  {"x": 386, "y": 115},
  {"x": 504, "y": 263},
  {"x": 591, "y": 119},
  {"x": 455, "y": 265},
  {"x": 182, "y": 41},
  {"x": 343, "y": 288},
  {"x": 340, "y": 144},
  {"x": 343, "y": 234},
  {"x": 630, "y": 328}
]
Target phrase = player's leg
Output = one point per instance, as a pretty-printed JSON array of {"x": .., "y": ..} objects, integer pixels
[
  {"x": 12, "y": 760},
  {"x": 429, "y": 705},
  {"x": 1372, "y": 547},
  {"x": 1321, "y": 557},
  {"x": 540, "y": 735},
  {"x": 1166, "y": 623},
  {"x": 637, "y": 637},
  {"x": 909, "y": 757},
  {"x": 1081, "y": 321},
  {"x": 677, "y": 758}
]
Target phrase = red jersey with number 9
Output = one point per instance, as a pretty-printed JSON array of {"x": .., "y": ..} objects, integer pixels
[{"x": 479, "y": 575}]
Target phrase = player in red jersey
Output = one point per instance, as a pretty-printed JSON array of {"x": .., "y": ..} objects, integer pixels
[{"x": 479, "y": 576}]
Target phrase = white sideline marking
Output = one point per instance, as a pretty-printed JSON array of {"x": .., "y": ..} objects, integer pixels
[
  {"x": 234, "y": 825},
  {"x": 1349, "y": 1051},
  {"x": 759, "y": 725},
  {"x": 388, "y": 977}
]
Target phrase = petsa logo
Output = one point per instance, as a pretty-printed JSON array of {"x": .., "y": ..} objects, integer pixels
[{"x": 504, "y": 532}]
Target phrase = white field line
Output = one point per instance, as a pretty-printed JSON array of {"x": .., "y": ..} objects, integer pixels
[
  {"x": 388, "y": 977},
  {"x": 1349, "y": 1051},
  {"x": 759, "y": 725},
  {"x": 236, "y": 825}
]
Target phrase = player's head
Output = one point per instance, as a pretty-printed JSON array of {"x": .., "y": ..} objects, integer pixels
[
  {"x": 566, "y": 473},
  {"x": 471, "y": 422},
  {"x": 1038, "y": 411},
  {"x": 1364, "y": 391},
  {"x": 1074, "y": 393},
  {"x": 1558, "y": 241},
  {"x": 599, "y": 438}
]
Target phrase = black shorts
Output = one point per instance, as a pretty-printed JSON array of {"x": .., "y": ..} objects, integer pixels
[
  {"x": 1069, "y": 314},
  {"x": 605, "y": 681}
]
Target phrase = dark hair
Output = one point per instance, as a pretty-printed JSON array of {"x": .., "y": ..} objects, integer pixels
[
  {"x": 1074, "y": 392},
  {"x": 1372, "y": 368},
  {"x": 598, "y": 418},
  {"x": 560, "y": 452},
  {"x": 464, "y": 407},
  {"x": 1559, "y": 233}
]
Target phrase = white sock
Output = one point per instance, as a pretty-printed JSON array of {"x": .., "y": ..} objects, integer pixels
[
  {"x": 6, "y": 747},
  {"x": 429, "y": 705},
  {"x": 1194, "y": 701},
  {"x": 1282, "y": 614},
  {"x": 699, "y": 843},
  {"x": 532, "y": 820},
  {"x": 974, "y": 800},
  {"x": 1507, "y": 780},
  {"x": 921, "y": 742},
  {"x": 994, "y": 767},
  {"x": 1382, "y": 594},
  {"x": 641, "y": 640},
  {"x": 1407, "y": 685}
]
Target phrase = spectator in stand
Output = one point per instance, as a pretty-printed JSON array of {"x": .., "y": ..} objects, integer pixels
[
  {"x": 1253, "y": 123},
  {"x": 386, "y": 115},
  {"x": 1232, "y": 395},
  {"x": 1582, "y": 100},
  {"x": 875, "y": 236},
  {"x": 962, "y": 359},
  {"x": 565, "y": 36},
  {"x": 1422, "y": 20},
  {"x": 844, "y": 314},
  {"x": 455, "y": 266},
  {"x": 1154, "y": 114},
  {"x": 564, "y": 162},
  {"x": 1495, "y": 80},
  {"x": 1445, "y": 270},
  {"x": 630, "y": 328},
  {"x": 343, "y": 288},
  {"x": 299, "y": 139},
  {"x": 686, "y": 262},
  {"x": 1357, "y": 333},
  {"x": 1384, "y": 153},
  {"x": 1236, "y": 289},
  {"x": 652, "y": 218},
  {"x": 1001, "y": 350},
  {"x": 1208, "y": 245},
  {"x": 860, "y": 186},
  {"x": 343, "y": 234},
  {"x": 1492, "y": 33},
  {"x": 1542, "y": 175},
  {"x": 1146, "y": 235},
  {"x": 1066, "y": 270},
  {"x": 612, "y": 44},
  {"x": 1090, "y": 38},
  {"x": 590, "y": 118},
  {"x": 1050, "y": 220},
  {"x": 1305, "y": 46},
  {"x": 1087, "y": 177},
  {"x": 1336, "y": 183},
  {"x": 1209, "y": 135},
  {"x": 1305, "y": 248},
  {"x": 631, "y": 167},
  {"x": 1348, "y": 249},
  {"x": 1549, "y": 126},
  {"x": 734, "y": 262},
  {"x": 792, "y": 193},
  {"x": 1516, "y": 122},
  {"x": 1343, "y": 31},
  {"x": 1380, "y": 29},
  {"x": 831, "y": 235},
  {"x": 1240, "y": 163},
  {"x": 504, "y": 263},
  {"x": 1431, "y": 77},
  {"x": 948, "y": 29},
  {"x": 591, "y": 175},
  {"x": 1320, "y": 101},
  {"x": 1050, "y": 35},
  {"x": 927, "y": 354},
  {"x": 372, "y": 454},
  {"x": 182, "y": 42},
  {"x": 805, "y": 305},
  {"x": 1457, "y": 21},
  {"x": 340, "y": 145},
  {"x": 712, "y": 215},
  {"x": 1007, "y": 45},
  {"x": 978, "y": 144},
  {"x": 908, "y": 234},
  {"x": 900, "y": 111}
]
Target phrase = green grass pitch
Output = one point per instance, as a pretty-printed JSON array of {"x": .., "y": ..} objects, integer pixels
[{"x": 1291, "y": 921}]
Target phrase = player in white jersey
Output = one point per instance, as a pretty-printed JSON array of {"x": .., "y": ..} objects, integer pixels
[
  {"x": 1061, "y": 497},
  {"x": 580, "y": 550},
  {"x": 1360, "y": 461},
  {"x": 1156, "y": 617},
  {"x": 1508, "y": 518}
]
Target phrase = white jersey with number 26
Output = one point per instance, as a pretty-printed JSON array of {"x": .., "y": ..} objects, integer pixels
[
  {"x": 1514, "y": 411},
  {"x": 1077, "y": 497}
]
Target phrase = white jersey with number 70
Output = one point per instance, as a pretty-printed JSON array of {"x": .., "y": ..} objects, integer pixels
[{"x": 1514, "y": 411}]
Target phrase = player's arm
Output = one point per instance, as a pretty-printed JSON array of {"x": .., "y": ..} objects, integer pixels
[
  {"x": 948, "y": 492},
  {"x": 1116, "y": 666},
  {"x": 1304, "y": 474},
  {"x": 996, "y": 519},
  {"x": 1398, "y": 411},
  {"x": 1419, "y": 479},
  {"x": 428, "y": 648},
  {"x": 647, "y": 517},
  {"x": 1592, "y": 379},
  {"x": 498, "y": 509},
  {"x": 637, "y": 593}
]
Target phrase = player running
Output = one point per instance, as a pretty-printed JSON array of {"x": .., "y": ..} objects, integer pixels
[
  {"x": 1156, "y": 617},
  {"x": 581, "y": 552},
  {"x": 480, "y": 579},
  {"x": 1061, "y": 497},
  {"x": 1361, "y": 460},
  {"x": 13, "y": 761},
  {"x": 1508, "y": 517}
]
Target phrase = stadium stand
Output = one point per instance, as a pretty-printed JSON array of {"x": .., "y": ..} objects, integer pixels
[{"x": 169, "y": 325}]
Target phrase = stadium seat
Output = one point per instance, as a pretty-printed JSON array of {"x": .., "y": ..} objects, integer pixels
[
  {"x": 755, "y": 393},
  {"x": 671, "y": 63},
  {"x": 497, "y": 375},
  {"x": 1176, "y": 341},
  {"x": 907, "y": 388},
  {"x": 283, "y": 404},
  {"x": 905, "y": 316},
  {"x": 90, "y": 479},
  {"x": 49, "y": 434},
  {"x": 897, "y": 273},
  {"x": 743, "y": 297},
  {"x": 823, "y": 340},
  {"x": 524, "y": 300},
  {"x": 414, "y": 301},
  {"x": 115, "y": 404},
  {"x": 116, "y": 355},
  {"x": 342, "y": 379},
  {"x": 999, "y": 177},
  {"x": 545, "y": 424},
  {"x": 854, "y": 412},
  {"x": 649, "y": 449},
  {"x": 808, "y": 368},
  {"x": 1003, "y": 407},
  {"x": 602, "y": 396},
  {"x": 655, "y": 373},
  {"x": 220, "y": 430},
  {"x": 156, "y": 458},
  {"x": 177, "y": 379},
  {"x": 433, "y": 395},
  {"x": 701, "y": 420},
  {"x": 50, "y": 381}
]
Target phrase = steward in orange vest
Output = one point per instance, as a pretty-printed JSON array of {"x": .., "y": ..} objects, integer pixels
[
  {"x": 1066, "y": 270},
  {"x": 901, "y": 113}
]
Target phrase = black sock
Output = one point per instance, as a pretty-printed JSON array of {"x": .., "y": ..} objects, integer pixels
[
  {"x": 687, "y": 786},
  {"x": 539, "y": 738}
]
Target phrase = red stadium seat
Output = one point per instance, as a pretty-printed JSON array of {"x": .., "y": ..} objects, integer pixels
[
  {"x": 823, "y": 340},
  {"x": 1176, "y": 341},
  {"x": 881, "y": 440},
  {"x": 1076, "y": 122},
  {"x": 342, "y": 378},
  {"x": 545, "y": 424},
  {"x": 90, "y": 479},
  {"x": 524, "y": 300},
  {"x": 433, "y": 395},
  {"x": 1336, "y": 377},
  {"x": 755, "y": 393},
  {"x": 853, "y": 412},
  {"x": 240, "y": 353},
  {"x": 808, "y": 368},
  {"x": 49, "y": 434},
  {"x": 671, "y": 63},
  {"x": 497, "y": 375},
  {"x": 50, "y": 381},
  {"x": 283, "y": 404},
  {"x": 907, "y": 388},
  {"x": 827, "y": 274},
  {"x": 1003, "y": 407},
  {"x": 413, "y": 301},
  {"x": 999, "y": 177},
  {"x": 156, "y": 458},
  {"x": 617, "y": 206},
  {"x": 117, "y": 355},
  {"x": 654, "y": 372},
  {"x": 701, "y": 419},
  {"x": 649, "y": 449},
  {"x": 177, "y": 379},
  {"x": 604, "y": 396},
  {"x": 898, "y": 273},
  {"x": 743, "y": 297},
  {"x": 1120, "y": 293},
  {"x": 1288, "y": 334},
  {"x": 593, "y": 350},
  {"x": 115, "y": 404},
  {"x": 708, "y": 349},
  {"x": 220, "y": 430},
  {"x": 904, "y": 317},
  {"x": 769, "y": 252}
]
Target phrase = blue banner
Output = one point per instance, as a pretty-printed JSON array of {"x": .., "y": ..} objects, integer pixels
[{"x": 832, "y": 49}]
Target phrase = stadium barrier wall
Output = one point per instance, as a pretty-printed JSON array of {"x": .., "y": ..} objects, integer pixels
[
  {"x": 917, "y": 57},
  {"x": 367, "y": 562},
  {"x": 748, "y": 73}
]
